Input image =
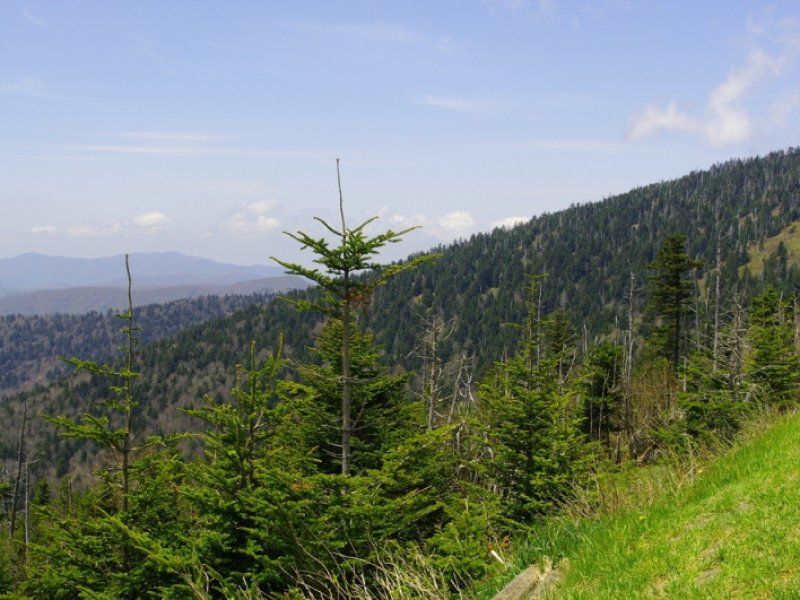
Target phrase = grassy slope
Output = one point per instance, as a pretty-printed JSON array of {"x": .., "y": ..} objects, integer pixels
[
  {"x": 790, "y": 236},
  {"x": 733, "y": 532}
]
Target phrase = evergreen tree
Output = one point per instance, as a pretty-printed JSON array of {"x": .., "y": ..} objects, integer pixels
[
  {"x": 603, "y": 397},
  {"x": 531, "y": 421},
  {"x": 347, "y": 282},
  {"x": 671, "y": 295},
  {"x": 774, "y": 364},
  {"x": 382, "y": 414}
]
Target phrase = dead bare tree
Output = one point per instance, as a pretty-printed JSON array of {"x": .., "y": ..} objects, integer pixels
[
  {"x": 436, "y": 332},
  {"x": 20, "y": 462}
]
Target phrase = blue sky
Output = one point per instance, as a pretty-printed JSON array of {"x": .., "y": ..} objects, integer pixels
[{"x": 210, "y": 127}]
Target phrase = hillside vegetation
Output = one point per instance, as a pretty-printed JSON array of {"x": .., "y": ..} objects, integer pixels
[{"x": 724, "y": 528}]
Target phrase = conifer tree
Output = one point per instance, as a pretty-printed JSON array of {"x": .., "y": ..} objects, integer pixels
[
  {"x": 774, "y": 364},
  {"x": 603, "y": 390},
  {"x": 671, "y": 295},
  {"x": 114, "y": 431},
  {"x": 532, "y": 426},
  {"x": 347, "y": 280}
]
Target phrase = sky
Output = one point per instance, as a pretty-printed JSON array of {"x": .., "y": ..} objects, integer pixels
[{"x": 211, "y": 127}]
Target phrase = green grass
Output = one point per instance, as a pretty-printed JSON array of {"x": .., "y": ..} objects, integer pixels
[
  {"x": 790, "y": 236},
  {"x": 731, "y": 530}
]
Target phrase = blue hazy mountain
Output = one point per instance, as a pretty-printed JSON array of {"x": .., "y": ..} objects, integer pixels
[{"x": 32, "y": 271}]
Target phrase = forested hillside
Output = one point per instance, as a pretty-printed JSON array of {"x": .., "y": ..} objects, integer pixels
[
  {"x": 394, "y": 431},
  {"x": 586, "y": 253},
  {"x": 30, "y": 346}
]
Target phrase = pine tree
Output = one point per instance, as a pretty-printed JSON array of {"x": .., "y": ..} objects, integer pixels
[
  {"x": 347, "y": 281},
  {"x": 671, "y": 295},
  {"x": 116, "y": 436},
  {"x": 774, "y": 364}
]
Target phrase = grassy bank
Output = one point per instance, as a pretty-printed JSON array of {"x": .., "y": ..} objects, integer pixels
[{"x": 702, "y": 528}]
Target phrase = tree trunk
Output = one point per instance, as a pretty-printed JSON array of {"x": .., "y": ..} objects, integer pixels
[
  {"x": 346, "y": 380},
  {"x": 20, "y": 459}
]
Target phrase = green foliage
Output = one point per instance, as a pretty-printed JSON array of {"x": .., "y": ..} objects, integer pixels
[
  {"x": 671, "y": 294},
  {"x": 774, "y": 365},
  {"x": 533, "y": 424},
  {"x": 382, "y": 411},
  {"x": 712, "y": 408},
  {"x": 602, "y": 401}
]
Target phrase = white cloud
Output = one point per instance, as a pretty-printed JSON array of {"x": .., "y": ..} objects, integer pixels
[
  {"x": 152, "y": 220},
  {"x": 655, "y": 119},
  {"x": 251, "y": 218},
  {"x": 725, "y": 121},
  {"x": 509, "y": 222},
  {"x": 168, "y": 136},
  {"x": 447, "y": 227},
  {"x": 29, "y": 86},
  {"x": 44, "y": 229},
  {"x": 458, "y": 222}
]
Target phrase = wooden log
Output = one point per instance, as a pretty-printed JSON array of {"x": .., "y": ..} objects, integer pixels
[{"x": 533, "y": 582}]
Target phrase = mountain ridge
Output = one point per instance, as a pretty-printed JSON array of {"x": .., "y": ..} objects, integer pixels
[
  {"x": 34, "y": 271},
  {"x": 79, "y": 300}
]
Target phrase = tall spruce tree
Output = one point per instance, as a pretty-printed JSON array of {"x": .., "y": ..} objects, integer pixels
[{"x": 671, "y": 295}]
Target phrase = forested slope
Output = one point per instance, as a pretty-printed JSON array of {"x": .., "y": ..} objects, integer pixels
[
  {"x": 587, "y": 254},
  {"x": 30, "y": 345}
]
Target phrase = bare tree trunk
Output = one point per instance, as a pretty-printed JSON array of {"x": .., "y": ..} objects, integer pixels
[
  {"x": 433, "y": 377},
  {"x": 718, "y": 273},
  {"x": 628, "y": 370},
  {"x": 27, "y": 512},
  {"x": 697, "y": 315},
  {"x": 346, "y": 318},
  {"x": 539, "y": 328},
  {"x": 20, "y": 459}
]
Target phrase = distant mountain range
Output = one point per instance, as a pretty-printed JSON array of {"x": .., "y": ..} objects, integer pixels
[
  {"x": 33, "y": 284},
  {"x": 29, "y": 272}
]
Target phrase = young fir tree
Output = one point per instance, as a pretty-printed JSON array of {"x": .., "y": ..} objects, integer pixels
[
  {"x": 532, "y": 425},
  {"x": 347, "y": 280},
  {"x": 250, "y": 483},
  {"x": 774, "y": 364},
  {"x": 672, "y": 293},
  {"x": 112, "y": 432},
  {"x": 84, "y": 552}
]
